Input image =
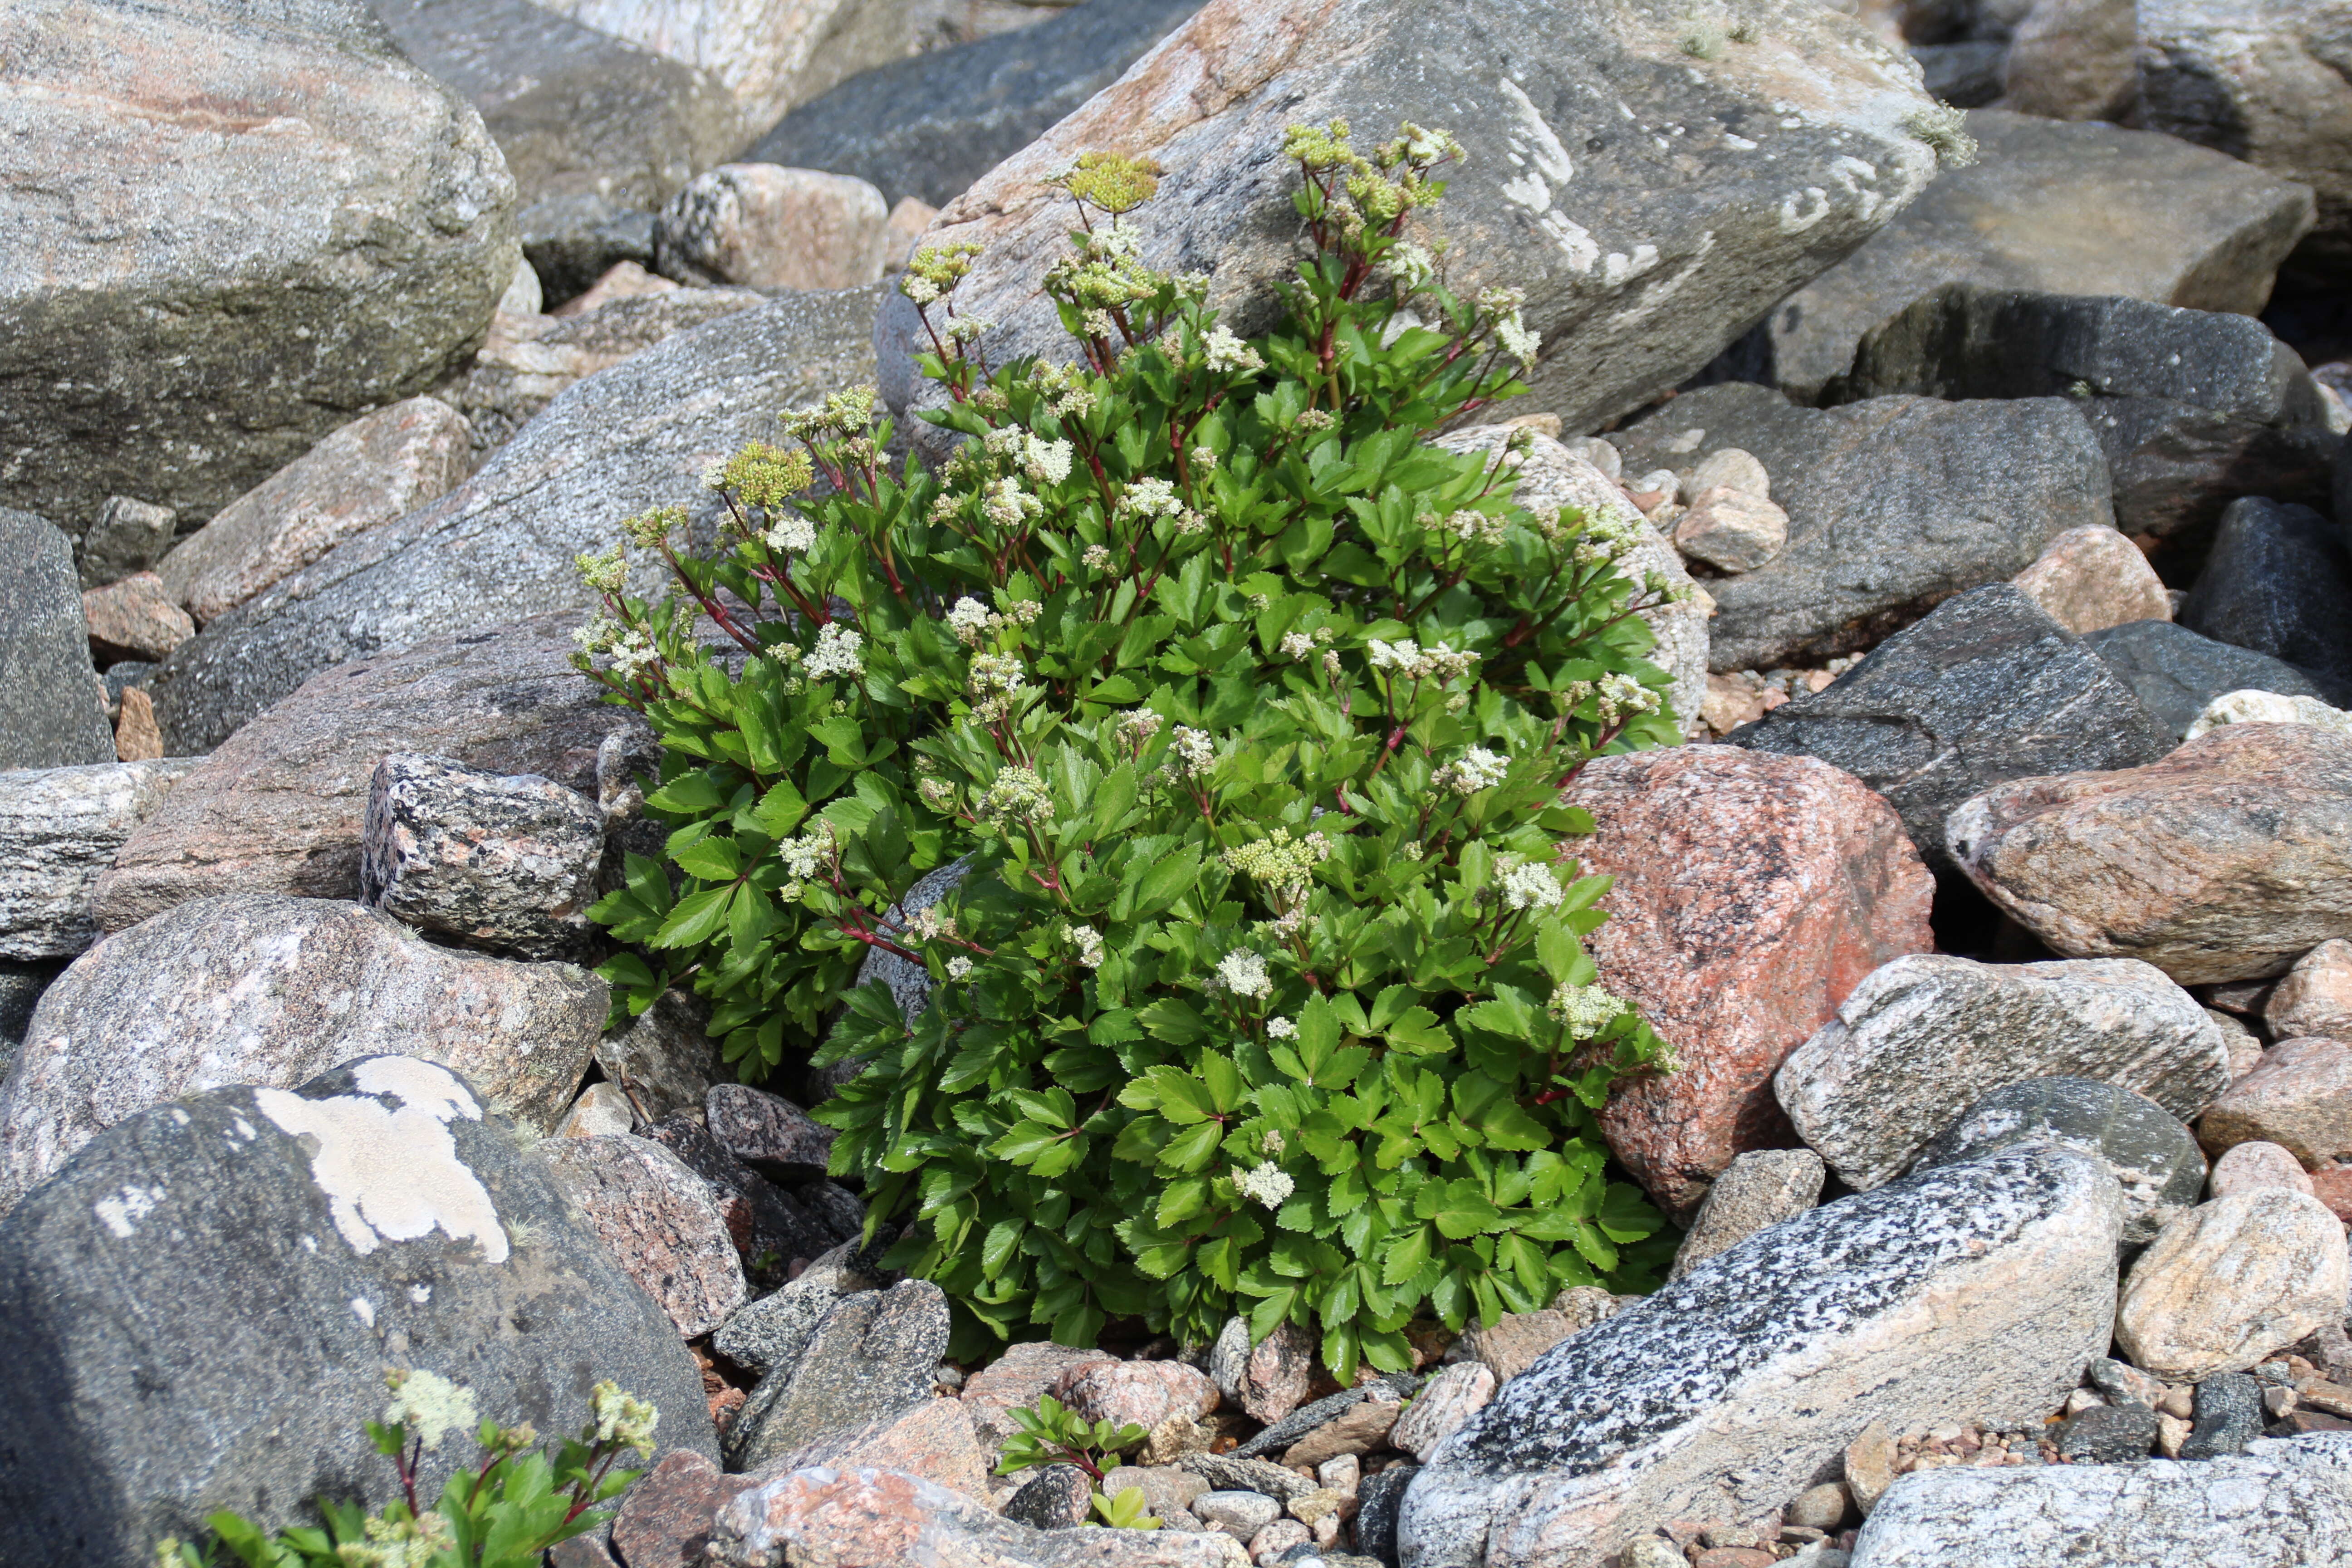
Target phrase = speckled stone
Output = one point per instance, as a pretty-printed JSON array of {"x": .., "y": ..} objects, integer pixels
[
  {"x": 2107, "y": 1435},
  {"x": 1763, "y": 1187},
  {"x": 1987, "y": 1287},
  {"x": 1267, "y": 1379},
  {"x": 872, "y": 1357},
  {"x": 660, "y": 1220},
  {"x": 1054, "y": 1498},
  {"x": 772, "y": 1331},
  {"x": 2232, "y": 1282},
  {"x": 766, "y": 1129},
  {"x": 2229, "y": 1415},
  {"x": 2142, "y": 1146},
  {"x": 59, "y": 829},
  {"x": 1449, "y": 1400}
]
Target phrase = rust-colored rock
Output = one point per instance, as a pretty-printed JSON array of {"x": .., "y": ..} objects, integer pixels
[
  {"x": 665, "y": 1518},
  {"x": 2228, "y": 860},
  {"x": 2332, "y": 1186},
  {"x": 135, "y": 618},
  {"x": 136, "y": 737},
  {"x": 2300, "y": 1099},
  {"x": 1754, "y": 890}
]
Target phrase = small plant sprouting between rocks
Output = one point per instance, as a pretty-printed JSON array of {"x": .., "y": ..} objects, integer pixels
[
  {"x": 503, "y": 1513},
  {"x": 1051, "y": 1434},
  {"x": 1249, "y": 711}
]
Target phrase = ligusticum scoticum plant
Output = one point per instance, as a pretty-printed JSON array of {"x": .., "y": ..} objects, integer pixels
[{"x": 1247, "y": 712}]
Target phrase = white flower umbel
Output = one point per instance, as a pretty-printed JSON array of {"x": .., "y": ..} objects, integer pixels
[
  {"x": 1268, "y": 1184},
  {"x": 1474, "y": 769},
  {"x": 1090, "y": 943},
  {"x": 1585, "y": 1009},
  {"x": 1530, "y": 885},
  {"x": 791, "y": 532},
  {"x": 1226, "y": 351},
  {"x": 802, "y": 855},
  {"x": 959, "y": 967},
  {"x": 968, "y": 620},
  {"x": 622, "y": 1418},
  {"x": 1280, "y": 1029},
  {"x": 429, "y": 1405},
  {"x": 1046, "y": 462},
  {"x": 1191, "y": 752},
  {"x": 1243, "y": 974},
  {"x": 836, "y": 652}
]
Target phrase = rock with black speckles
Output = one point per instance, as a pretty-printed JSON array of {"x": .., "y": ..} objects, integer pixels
[
  {"x": 1985, "y": 1288},
  {"x": 2143, "y": 1146}
]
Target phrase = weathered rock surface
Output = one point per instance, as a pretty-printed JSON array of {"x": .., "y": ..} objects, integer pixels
[
  {"x": 575, "y": 112},
  {"x": 932, "y": 1441},
  {"x": 2300, "y": 1098},
  {"x": 296, "y": 225},
  {"x": 870, "y": 1358},
  {"x": 929, "y": 126},
  {"x": 637, "y": 435},
  {"x": 2276, "y": 582},
  {"x": 2150, "y": 1154},
  {"x": 773, "y": 228},
  {"x": 1753, "y": 892},
  {"x": 1015, "y": 1379},
  {"x": 1143, "y": 1393},
  {"x": 259, "y": 988},
  {"x": 130, "y": 535},
  {"x": 1984, "y": 1287},
  {"x": 59, "y": 827},
  {"x": 50, "y": 717},
  {"x": 2175, "y": 672},
  {"x": 2268, "y": 708},
  {"x": 2262, "y": 1514},
  {"x": 241, "y": 1268},
  {"x": 665, "y": 1059},
  {"x": 1268, "y": 1379},
  {"x": 1987, "y": 688},
  {"x": 1721, "y": 221},
  {"x": 134, "y": 617},
  {"x": 1731, "y": 531},
  {"x": 2055, "y": 208},
  {"x": 503, "y": 862},
  {"x": 2244, "y": 1167},
  {"x": 2088, "y": 579},
  {"x": 665, "y": 1518},
  {"x": 1448, "y": 1400},
  {"x": 2232, "y": 1282},
  {"x": 659, "y": 1218},
  {"x": 2229, "y": 1415},
  {"x": 772, "y": 1331},
  {"x": 1893, "y": 505},
  {"x": 767, "y": 1129},
  {"x": 2315, "y": 997},
  {"x": 2227, "y": 860},
  {"x": 280, "y": 806},
  {"x": 771, "y": 1226},
  {"x": 1760, "y": 1188},
  {"x": 1931, "y": 1034},
  {"x": 372, "y": 470},
  {"x": 1056, "y": 1497}
]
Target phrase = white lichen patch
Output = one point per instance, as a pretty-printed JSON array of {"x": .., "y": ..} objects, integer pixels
[
  {"x": 392, "y": 1174},
  {"x": 363, "y": 1310},
  {"x": 123, "y": 1211}
]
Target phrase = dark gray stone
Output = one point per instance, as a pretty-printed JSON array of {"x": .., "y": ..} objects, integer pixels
[
  {"x": 224, "y": 1267},
  {"x": 50, "y": 712},
  {"x": 929, "y": 126},
  {"x": 129, "y": 536},
  {"x": 871, "y": 1357},
  {"x": 1299, "y": 1423},
  {"x": 503, "y": 862},
  {"x": 2145, "y": 1147},
  {"x": 770, "y": 1227},
  {"x": 2175, "y": 672},
  {"x": 1380, "y": 1498},
  {"x": 571, "y": 241},
  {"x": 773, "y": 1330},
  {"x": 631, "y": 438},
  {"x": 21, "y": 984},
  {"x": 2068, "y": 208},
  {"x": 767, "y": 1131},
  {"x": 1893, "y": 505},
  {"x": 1986, "y": 1287},
  {"x": 2279, "y": 581},
  {"x": 1987, "y": 688},
  {"x": 840, "y": 1211},
  {"x": 2229, "y": 1415},
  {"x": 2193, "y": 408},
  {"x": 1056, "y": 1497},
  {"x": 2107, "y": 1435},
  {"x": 1964, "y": 75},
  {"x": 575, "y": 112}
]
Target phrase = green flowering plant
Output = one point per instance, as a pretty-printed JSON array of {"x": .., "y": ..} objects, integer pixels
[
  {"x": 1246, "y": 711},
  {"x": 1050, "y": 1433},
  {"x": 503, "y": 1513}
]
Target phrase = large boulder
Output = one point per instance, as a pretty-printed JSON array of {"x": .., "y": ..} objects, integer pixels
[
  {"x": 205, "y": 1302},
  {"x": 1752, "y": 893},
  {"x": 2082, "y": 208},
  {"x": 2232, "y": 1283},
  {"x": 2150, "y": 1154},
  {"x": 929, "y": 126},
  {"x": 574, "y": 111},
  {"x": 2228, "y": 860},
  {"x": 296, "y": 224},
  {"x": 1978, "y": 1292},
  {"x": 281, "y": 807},
  {"x": 2277, "y": 582},
  {"x": 635, "y": 436},
  {"x": 2176, "y": 672},
  {"x": 50, "y": 715},
  {"x": 1651, "y": 202},
  {"x": 1894, "y": 504},
  {"x": 1988, "y": 687},
  {"x": 59, "y": 828},
  {"x": 259, "y": 988}
]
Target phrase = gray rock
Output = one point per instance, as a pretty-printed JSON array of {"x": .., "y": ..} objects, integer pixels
[
  {"x": 241, "y": 1266},
  {"x": 1380, "y": 1498},
  {"x": 1224, "y": 1472},
  {"x": 1893, "y": 505},
  {"x": 660, "y": 1220},
  {"x": 1239, "y": 1514},
  {"x": 2249, "y": 1513},
  {"x": 1280, "y": 1434},
  {"x": 575, "y": 112},
  {"x": 1987, "y": 688},
  {"x": 1761, "y": 1188},
  {"x": 1964, "y": 75},
  {"x": 281, "y": 804},
  {"x": 2229, "y": 1415},
  {"x": 772, "y": 1331},
  {"x": 264, "y": 989},
  {"x": 665, "y": 1060},
  {"x": 503, "y": 862},
  {"x": 1550, "y": 101},
  {"x": 231, "y": 296},
  {"x": 771, "y": 1226},
  {"x": 1925, "y": 1038},
  {"x": 21, "y": 986},
  {"x": 871, "y": 1357},
  {"x": 1055, "y": 1497},
  {"x": 1268, "y": 1377},
  {"x": 59, "y": 827},
  {"x": 1986, "y": 1288},
  {"x": 2079, "y": 208},
  {"x": 766, "y": 1129},
  {"x": 910, "y": 983},
  {"x": 571, "y": 241},
  {"x": 2107, "y": 1435},
  {"x": 2192, "y": 408},
  {"x": 129, "y": 536},
  {"x": 2175, "y": 672},
  {"x": 2143, "y": 1146},
  {"x": 2276, "y": 582},
  {"x": 51, "y": 716},
  {"x": 631, "y": 438}
]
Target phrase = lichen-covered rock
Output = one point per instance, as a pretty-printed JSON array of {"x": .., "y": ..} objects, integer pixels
[
  {"x": 1760, "y": 1188},
  {"x": 2151, "y": 1155},
  {"x": 59, "y": 828},
  {"x": 1984, "y": 1287},
  {"x": 659, "y": 1218},
  {"x": 504, "y": 862},
  {"x": 51, "y": 716},
  {"x": 1753, "y": 892},
  {"x": 1446, "y": 1402},
  {"x": 871, "y": 1357},
  {"x": 1929, "y": 1034},
  {"x": 259, "y": 988},
  {"x": 2232, "y": 1282},
  {"x": 2227, "y": 860},
  {"x": 2300, "y": 1098},
  {"x": 240, "y": 1267}
]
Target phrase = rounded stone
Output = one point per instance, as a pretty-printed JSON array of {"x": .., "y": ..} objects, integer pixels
[
  {"x": 2145, "y": 1148},
  {"x": 1823, "y": 1507},
  {"x": 2246, "y": 1167},
  {"x": 2108, "y": 1434},
  {"x": 2232, "y": 1282},
  {"x": 1239, "y": 1514}
]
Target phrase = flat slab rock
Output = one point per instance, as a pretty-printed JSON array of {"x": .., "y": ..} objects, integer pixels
[
  {"x": 240, "y": 1267},
  {"x": 871, "y": 1357},
  {"x": 59, "y": 830},
  {"x": 1928, "y": 1036},
  {"x": 660, "y": 1220},
  {"x": 1976, "y": 1292},
  {"x": 259, "y": 988}
]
